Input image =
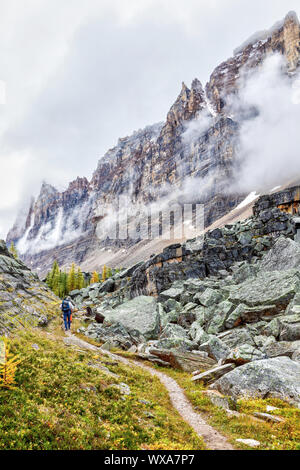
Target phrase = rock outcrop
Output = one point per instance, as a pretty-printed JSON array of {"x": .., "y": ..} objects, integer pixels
[
  {"x": 24, "y": 300},
  {"x": 269, "y": 378}
]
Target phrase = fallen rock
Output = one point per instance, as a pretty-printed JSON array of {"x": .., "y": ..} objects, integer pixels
[
  {"x": 139, "y": 314},
  {"x": 285, "y": 254},
  {"x": 186, "y": 361},
  {"x": 208, "y": 298},
  {"x": 268, "y": 288},
  {"x": 220, "y": 400},
  {"x": 269, "y": 418},
  {"x": 282, "y": 348},
  {"x": 249, "y": 442},
  {"x": 172, "y": 293},
  {"x": 215, "y": 348},
  {"x": 244, "y": 354},
  {"x": 213, "y": 374},
  {"x": 274, "y": 378}
]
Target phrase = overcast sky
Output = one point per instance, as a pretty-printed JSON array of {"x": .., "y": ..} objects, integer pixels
[{"x": 80, "y": 74}]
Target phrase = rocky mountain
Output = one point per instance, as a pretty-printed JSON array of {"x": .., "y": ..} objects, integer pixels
[
  {"x": 191, "y": 156},
  {"x": 24, "y": 300}
]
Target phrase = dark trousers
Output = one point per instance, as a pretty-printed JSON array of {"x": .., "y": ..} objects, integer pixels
[{"x": 67, "y": 320}]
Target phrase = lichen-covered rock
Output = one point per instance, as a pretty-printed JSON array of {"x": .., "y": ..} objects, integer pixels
[
  {"x": 208, "y": 298},
  {"x": 243, "y": 354},
  {"x": 282, "y": 348},
  {"x": 24, "y": 300},
  {"x": 284, "y": 255},
  {"x": 183, "y": 360},
  {"x": 213, "y": 374},
  {"x": 272, "y": 378},
  {"x": 138, "y": 314},
  {"x": 215, "y": 348},
  {"x": 268, "y": 288}
]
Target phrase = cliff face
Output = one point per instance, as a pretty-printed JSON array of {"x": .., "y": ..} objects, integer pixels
[{"x": 189, "y": 157}]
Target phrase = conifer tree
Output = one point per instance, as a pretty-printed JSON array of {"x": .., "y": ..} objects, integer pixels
[
  {"x": 79, "y": 279},
  {"x": 104, "y": 273},
  {"x": 72, "y": 278},
  {"x": 13, "y": 250},
  {"x": 95, "y": 277}
]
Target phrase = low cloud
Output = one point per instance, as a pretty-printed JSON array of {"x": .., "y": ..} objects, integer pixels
[{"x": 269, "y": 141}]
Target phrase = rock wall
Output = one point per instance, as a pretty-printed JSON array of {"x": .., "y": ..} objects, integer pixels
[{"x": 24, "y": 300}]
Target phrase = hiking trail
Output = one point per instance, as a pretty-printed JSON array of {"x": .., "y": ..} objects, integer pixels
[{"x": 212, "y": 438}]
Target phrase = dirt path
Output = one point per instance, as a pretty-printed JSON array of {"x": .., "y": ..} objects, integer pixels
[{"x": 212, "y": 438}]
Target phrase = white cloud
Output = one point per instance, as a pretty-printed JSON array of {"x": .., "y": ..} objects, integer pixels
[{"x": 268, "y": 153}]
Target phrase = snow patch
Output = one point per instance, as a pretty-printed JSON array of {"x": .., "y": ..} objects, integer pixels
[{"x": 250, "y": 198}]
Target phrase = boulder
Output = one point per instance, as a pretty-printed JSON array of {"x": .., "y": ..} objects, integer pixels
[
  {"x": 213, "y": 374},
  {"x": 290, "y": 328},
  {"x": 215, "y": 348},
  {"x": 208, "y": 298},
  {"x": 197, "y": 333},
  {"x": 172, "y": 293},
  {"x": 244, "y": 354},
  {"x": 139, "y": 314},
  {"x": 187, "y": 361},
  {"x": 107, "y": 286},
  {"x": 268, "y": 288},
  {"x": 284, "y": 255},
  {"x": 221, "y": 312},
  {"x": 236, "y": 337},
  {"x": 219, "y": 400},
  {"x": 282, "y": 348},
  {"x": 173, "y": 331},
  {"x": 269, "y": 378}
]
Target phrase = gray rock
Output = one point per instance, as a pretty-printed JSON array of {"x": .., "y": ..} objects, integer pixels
[
  {"x": 284, "y": 255},
  {"x": 197, "y": 333},
  {"x": 219, "y": 400},
  {"x": 215, "y": 348},
  {"x": 173, "y": 331},
  {"x": 213, "y": 374},
  {"x": 208, "y": 298},
  {"x": 269, "y": 418},
  {"x": 290, "y": 328},
  {"x": 272, "y": 378},
  {"x": 172, "y": 293},
  {"x": 268, "y": 288},
  {"x": 249, "y": 442},
  {"x": 139, "y": 314},
  {"x": 187, "y": 361},
  {"x": 244, "y": 354},
  {"x": 236, "y": 337},
  {"x": 218, "y": 321},
  {"x": 282, "y": 348},
  {"x": 122, "y": 387}
]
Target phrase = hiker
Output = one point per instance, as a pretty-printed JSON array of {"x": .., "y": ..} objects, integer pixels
[{"x": 67, "y": 308}]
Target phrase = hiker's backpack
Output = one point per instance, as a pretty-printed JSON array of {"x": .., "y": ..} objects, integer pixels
[{"x": 65, "y": 306}]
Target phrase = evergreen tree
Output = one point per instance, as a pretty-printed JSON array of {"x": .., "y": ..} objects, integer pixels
[
  {"x": 95, "y": 277},
  {"x": 109, "y": 273},
  {"x": 104, "y": 273},
  {"x": 13, "y": 250},
  {"x": 71, "y": 284},
  {"x": 79, "y": 279},
  {"x": 52, "y": 276}
]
